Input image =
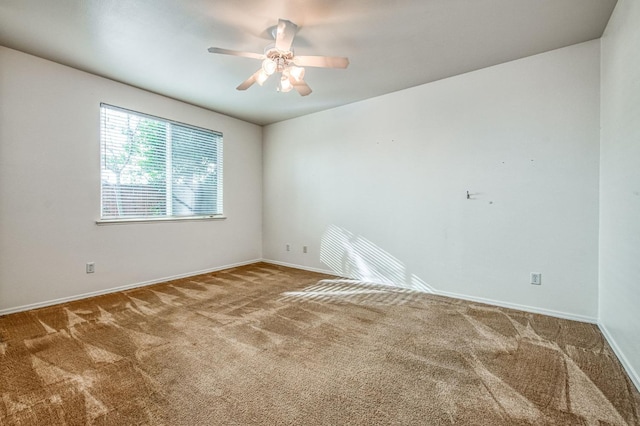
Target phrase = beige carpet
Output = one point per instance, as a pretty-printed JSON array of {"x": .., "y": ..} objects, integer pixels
[{"x": 264, "y": 344}]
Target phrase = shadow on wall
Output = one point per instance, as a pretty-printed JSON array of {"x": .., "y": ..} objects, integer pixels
[{"x": 371, "y": 275}]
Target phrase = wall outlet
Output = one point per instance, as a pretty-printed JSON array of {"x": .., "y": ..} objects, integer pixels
[
  {"x": 536, "y": 278},
  {"x": 304, "y": 249},
  {"x": 90, "y": 267},
  {"x": 287, "y": 247}
]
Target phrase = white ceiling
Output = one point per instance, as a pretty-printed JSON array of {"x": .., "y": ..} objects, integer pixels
[{"x": 161, "y": 45}]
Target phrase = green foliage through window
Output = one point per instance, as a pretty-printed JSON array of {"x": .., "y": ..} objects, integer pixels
[{"x": 153, "y": 167}]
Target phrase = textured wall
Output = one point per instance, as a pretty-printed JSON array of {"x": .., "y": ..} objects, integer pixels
[
  {"x": 377, "y": 189},
  {"x": 620, "y": 184},
  {"x": 50, "y": 189}
]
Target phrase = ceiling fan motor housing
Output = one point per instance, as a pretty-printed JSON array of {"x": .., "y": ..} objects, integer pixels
[{"x": 281, "y": 58}]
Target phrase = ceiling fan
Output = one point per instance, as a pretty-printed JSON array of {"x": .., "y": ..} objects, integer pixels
[{"x": 278, "y": 57}]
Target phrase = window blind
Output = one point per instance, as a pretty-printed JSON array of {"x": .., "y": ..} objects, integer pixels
[{"x": 153, "y": 168}]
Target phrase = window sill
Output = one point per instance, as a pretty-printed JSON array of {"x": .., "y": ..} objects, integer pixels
[{"x": 158, "y": 219}]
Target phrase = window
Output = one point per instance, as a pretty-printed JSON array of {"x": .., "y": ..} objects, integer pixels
[{"x": 152, "y": 168}]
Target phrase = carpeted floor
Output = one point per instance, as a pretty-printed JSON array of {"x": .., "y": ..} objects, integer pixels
[{"x": 264, "y": 344}]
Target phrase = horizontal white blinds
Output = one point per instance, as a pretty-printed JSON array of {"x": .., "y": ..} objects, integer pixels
[{"x": 151, "y": 167}]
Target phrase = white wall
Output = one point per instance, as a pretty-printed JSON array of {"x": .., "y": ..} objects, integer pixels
[
  {"x": 50, "y": 189},
  {"x": 620, "y": 185},
  {"x": 377, "y": 189}
]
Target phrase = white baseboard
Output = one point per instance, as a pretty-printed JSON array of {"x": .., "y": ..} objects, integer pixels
[
  {"x": 631, "y": 372},
  {"x": 120, "y": 288},
  {"x": 525, "y": 308},
  {"x": 535, "y": 310},
  {"x": 304, "y": 268}
]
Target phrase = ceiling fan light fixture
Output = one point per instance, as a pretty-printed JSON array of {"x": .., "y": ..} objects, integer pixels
[
  {"x": 280, "y": 58},
  {"x": 261, "y": 77},
  {"x": 297, "y": 73},
  {"x": 269, "y": 66},
  {"x": 285, "y": 85}
]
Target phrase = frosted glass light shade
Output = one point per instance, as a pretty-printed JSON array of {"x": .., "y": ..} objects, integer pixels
[
  {"x": 269, "y": 66},
  {"x": 285, "y": 84},
  {"x": 297, "y": 73},
  {"x": 262, "y": 77}
]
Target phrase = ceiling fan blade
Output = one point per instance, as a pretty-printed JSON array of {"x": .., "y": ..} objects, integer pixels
[
  {"x": 301, "y": 87},
  {"x": 236, "y": 53},
  {"x": 249, "y": 82},
  {"x": 321, "y": 61},
  {"x": 285, "y": 32}
]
